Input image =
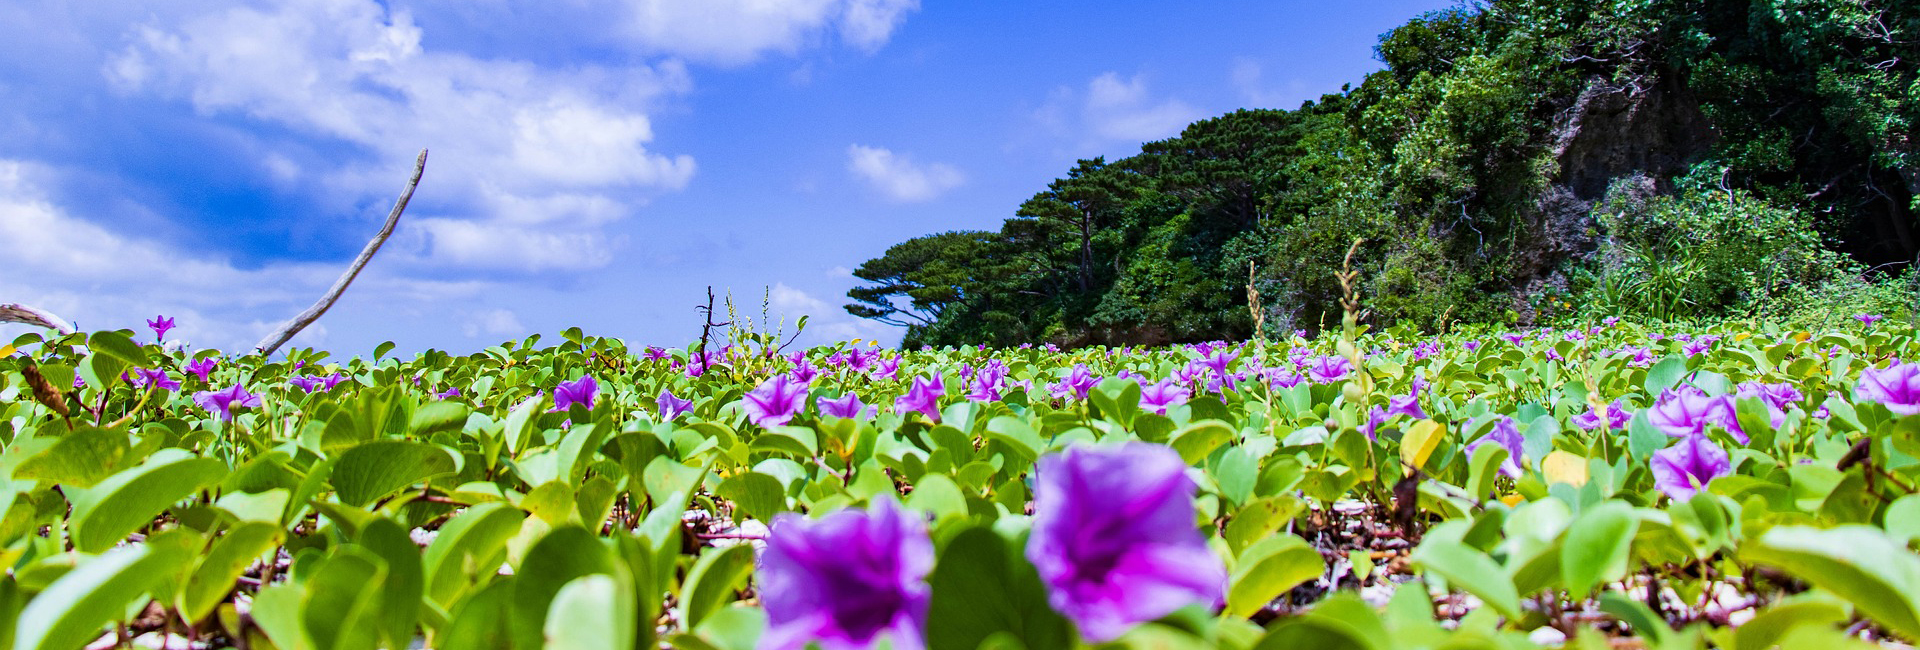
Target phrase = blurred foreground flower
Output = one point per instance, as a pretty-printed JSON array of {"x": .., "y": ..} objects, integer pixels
[
  {"x": 222, "y": 401},
  {"x": 846, "y": 578},
  {"x": 1114, "y": 537},
  {"x": 1689, "y": 465},
  {"x": 1898, "y": 387}
]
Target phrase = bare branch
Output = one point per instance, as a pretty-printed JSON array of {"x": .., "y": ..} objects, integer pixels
[
  {"x": 275, "y": 340},
  {"x": 17, "y": 313}
]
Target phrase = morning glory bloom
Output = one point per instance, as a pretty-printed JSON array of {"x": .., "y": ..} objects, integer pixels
[
  {"x": 804, "y": 373},
  {"x": 1688, "y": 412},
  {"x": 847, "y": 406},
  {"x": 306, "y": 383},
  {"x": 845, "y": 579},
  {"x": 1426, "y": 349},
  {"x": 1610, "y": 321},
  {"x": 923, "y": 397},
  {"x": 1329, "y": 369},
  {"x": 987, "y": 384},
  {"x": 202, "y": 367},
  {"x": 1472, "y": 345},
  {"x": 1161, "y": 396},
  {"x": 888, "y": 368},
  {"x": 448, "y": 394},
  {"x": 1897, "y": 387},
  {"x": 1076, "y": 383},
  {"x": 1514, "y": 338},
  {"x": 671, "y": 407},
  {"x": 1686, "y": 467},
  {"x": 655, "y": 353},
  {"x": 1694, "y": 348},
  {"x": 222, "y": 401},
  {"x": 142, "y": 377},
  {"x": 1868, "y": 319},
  {"x": 1616, "y": 417},
  {"x": 1505, "y": 434},
  {"x": 776, "y": 401},
  {"x": 579, "y": 391},
  {"x": 1280, "y": 378},
  {"x": 1114, "y": 537},
  {"x": 160, "y": 325}
]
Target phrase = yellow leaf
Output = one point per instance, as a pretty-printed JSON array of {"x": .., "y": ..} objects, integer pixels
[
  {"x": 1513, "y": 500},
  {"x": 1802, "y": 336},
  {"x": 1421, "y": 439},
  {"x": 1742, "y": 336},
  {"x": 1562, "y": 466},
  {"x": 6, "y": 350}
]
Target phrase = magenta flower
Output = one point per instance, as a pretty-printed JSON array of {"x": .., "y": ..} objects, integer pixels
[
  {"x": 1688, "y": 466},
  {"x": 160, "y": 325},
  {"x": 1114, "y": 537},
  {"x": 923, "y": 397},
  {"x": 1076, "y": 383},
  {"x": 804, "y": 373},
  {"x": 1505, "y": 434},
  {"x": 1694, "y": 348},
  {"x": 1329, "y": 369},
  {"x": 202, "y": 367},
  {"x": 888, "y": 368},
  {"x": 671, "y": 407},
  {"x": 579, "y": 391},
  {"x": 655, "y": 353},
  {"x": 1868, "y": 319},
  {"x": 1280, "y": 378},
  {"x": 1610, "y": 321},
  {"x": 846, "y": 406},
  {"x": 1161, "y": 396},
  {"x": 1688, "y": 412},
  {"x": 845, "y": 579},
  {"x": 776, "y": 401},
  {"x": 328, "y": 382},
  {"x": 143, "y": 377},
  {"x": 1472, "y": 345},
  {"x": 988, "y": 383},
  {"x": 1897, "y": 387},
  {"x": 1616, "y": 417},
  {"x": 223, "y": 401},
  {"x": 448, "y": 394}
]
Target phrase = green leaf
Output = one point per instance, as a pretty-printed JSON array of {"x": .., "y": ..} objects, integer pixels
[
  {"x": 1017, "y": 434},
  {"x": 1666, "y": 374},
  {"x": 983, "y": 587},
  {"x": 223, "y": 564},
  {"x": 1860, "y": 563},
  {"x": 1766, "y": 629},
  {"x": 344, "y": 600},
  {"x": 378, "y": 468},
  {"x": 468, "y": 549},
  {"x": 434, "y": 417},
  {"x": 1597, "y": 547},
  {"x": 1421, "y": 439},
  {"x": 757, "y": 495},
  {"x": 1643, "y": 438},
  {"x": 718, "y": 573},
  {"x": 565, "y": 553},
  {"x": 1471, "y": 571},
  {"x": 404, "y": 586},
  {"x": 1269, "y": 568},
  {"x": 81, "y": 458},
  {"x": 1198, "y": 440},
  {"x": 118, "y": 346},
  {"x": 107, "y": 513},
  {"x": 71, "y": 612},
  {"x": 1259, "y": 519},
  {"x": 591, "y": 612},
  {"x": 939, "y": 495}
]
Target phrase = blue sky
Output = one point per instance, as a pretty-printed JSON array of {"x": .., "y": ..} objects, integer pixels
[{"x": 595, "y": 163}]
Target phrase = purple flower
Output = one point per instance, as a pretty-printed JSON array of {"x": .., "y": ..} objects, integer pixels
[
  {"x": 160, "y": 325},
  {"x": 847, "y": 406},
  {"x": 202, "y": 367},
  {"x": 1610, "y": 321},
  {"x": 888, "y": 368},
  {"x": 655, "y": 353},
  {"x": 1076, "y": 383},
  {"x": 222, "y": 401},
  {"x": 1472, "y": 345},
  {"x": 923, "y": 397},
  {"x": 1688, "y": 412},
  {"x": 1426, "y": 349},
  {"x": 1686, "y": 467},
  {"x": 1329, "y": 369},
  {"x": 306, "y": 383},
  {"x": 143, "y": 377},
  {"x": 804, "y": 373},
  {"x": 776, "y": 401},
  {"x": 1514, "y": 338},
  {"x": 579, "y": 391},
  {"x": 1694, "y": 348},
  {"x": 1505, "y": 434},
  {"x": 1114, "y": 537},
  {"x": 671, "y": 407},
  {"x": 448, "y": 394},
  {"x": 1898, "y": 387},
  {"x": 1159, "y": 397},
  {"x": 1868, "y": 319},
  {"x": 1280, "y": 378},
  {"x": 988, "y": 382},
  {"x": 845, "y": 579},
  {"x": 1615, "y": 418},
  {"x": 328, "y": 382}
]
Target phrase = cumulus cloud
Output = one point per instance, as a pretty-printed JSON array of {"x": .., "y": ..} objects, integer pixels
[
  {"x": 99, "y": 279},
  {"x": 518, "y": 147},
  {"x": 740, "y": 31},
  {"x": 826, "y": 323},
  {"x": 493, "y": 322},
  {"x": 899, "y": 177},
  {"x": 1113, "y": 109}
]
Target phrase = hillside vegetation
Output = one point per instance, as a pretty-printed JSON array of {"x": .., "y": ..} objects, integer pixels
[{"x": 1515, "y": 162}]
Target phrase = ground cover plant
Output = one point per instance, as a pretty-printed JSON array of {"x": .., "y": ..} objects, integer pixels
[{"x": 1605, "y": 484}]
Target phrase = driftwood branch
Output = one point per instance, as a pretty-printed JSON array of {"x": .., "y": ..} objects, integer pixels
[
  {"x": 275, "y": 340},
  {"x": 17, "y": 313}
]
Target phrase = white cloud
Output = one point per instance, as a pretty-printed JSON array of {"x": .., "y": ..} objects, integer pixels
[
  {"x": 99, "y": 279},
  {"x": 740, "y": 31},
  {"x": 899, "y": 177},
  {"x": 493, "y": 322},
  {"x": 1248, "y": 78},
  {"x": 826, "y": 323},
  {"x": 1113, "y": 109},
  {"x": 513, "y": 144}
]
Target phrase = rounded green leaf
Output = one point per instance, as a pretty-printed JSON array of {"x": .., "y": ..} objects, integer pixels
[
  {"x": 377, "y": 468},
  {"x": 715, "y": 576},
  {"x": 757, "y": 495},
  {"x": 110, "y": 511},
  {"x": 1859, "y": 563},
  {"x": 73, "y": 610},
  {"x": 1269, "y": 568}
]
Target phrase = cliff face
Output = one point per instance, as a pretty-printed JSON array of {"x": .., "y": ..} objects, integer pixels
[{"x": 1629, "y": 137}]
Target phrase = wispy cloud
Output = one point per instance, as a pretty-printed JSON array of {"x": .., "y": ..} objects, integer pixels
[
  {"x": 1114, "y": 109},
  {"x": 741, "y": 31},
  {"x": 899, "y": 177}
]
